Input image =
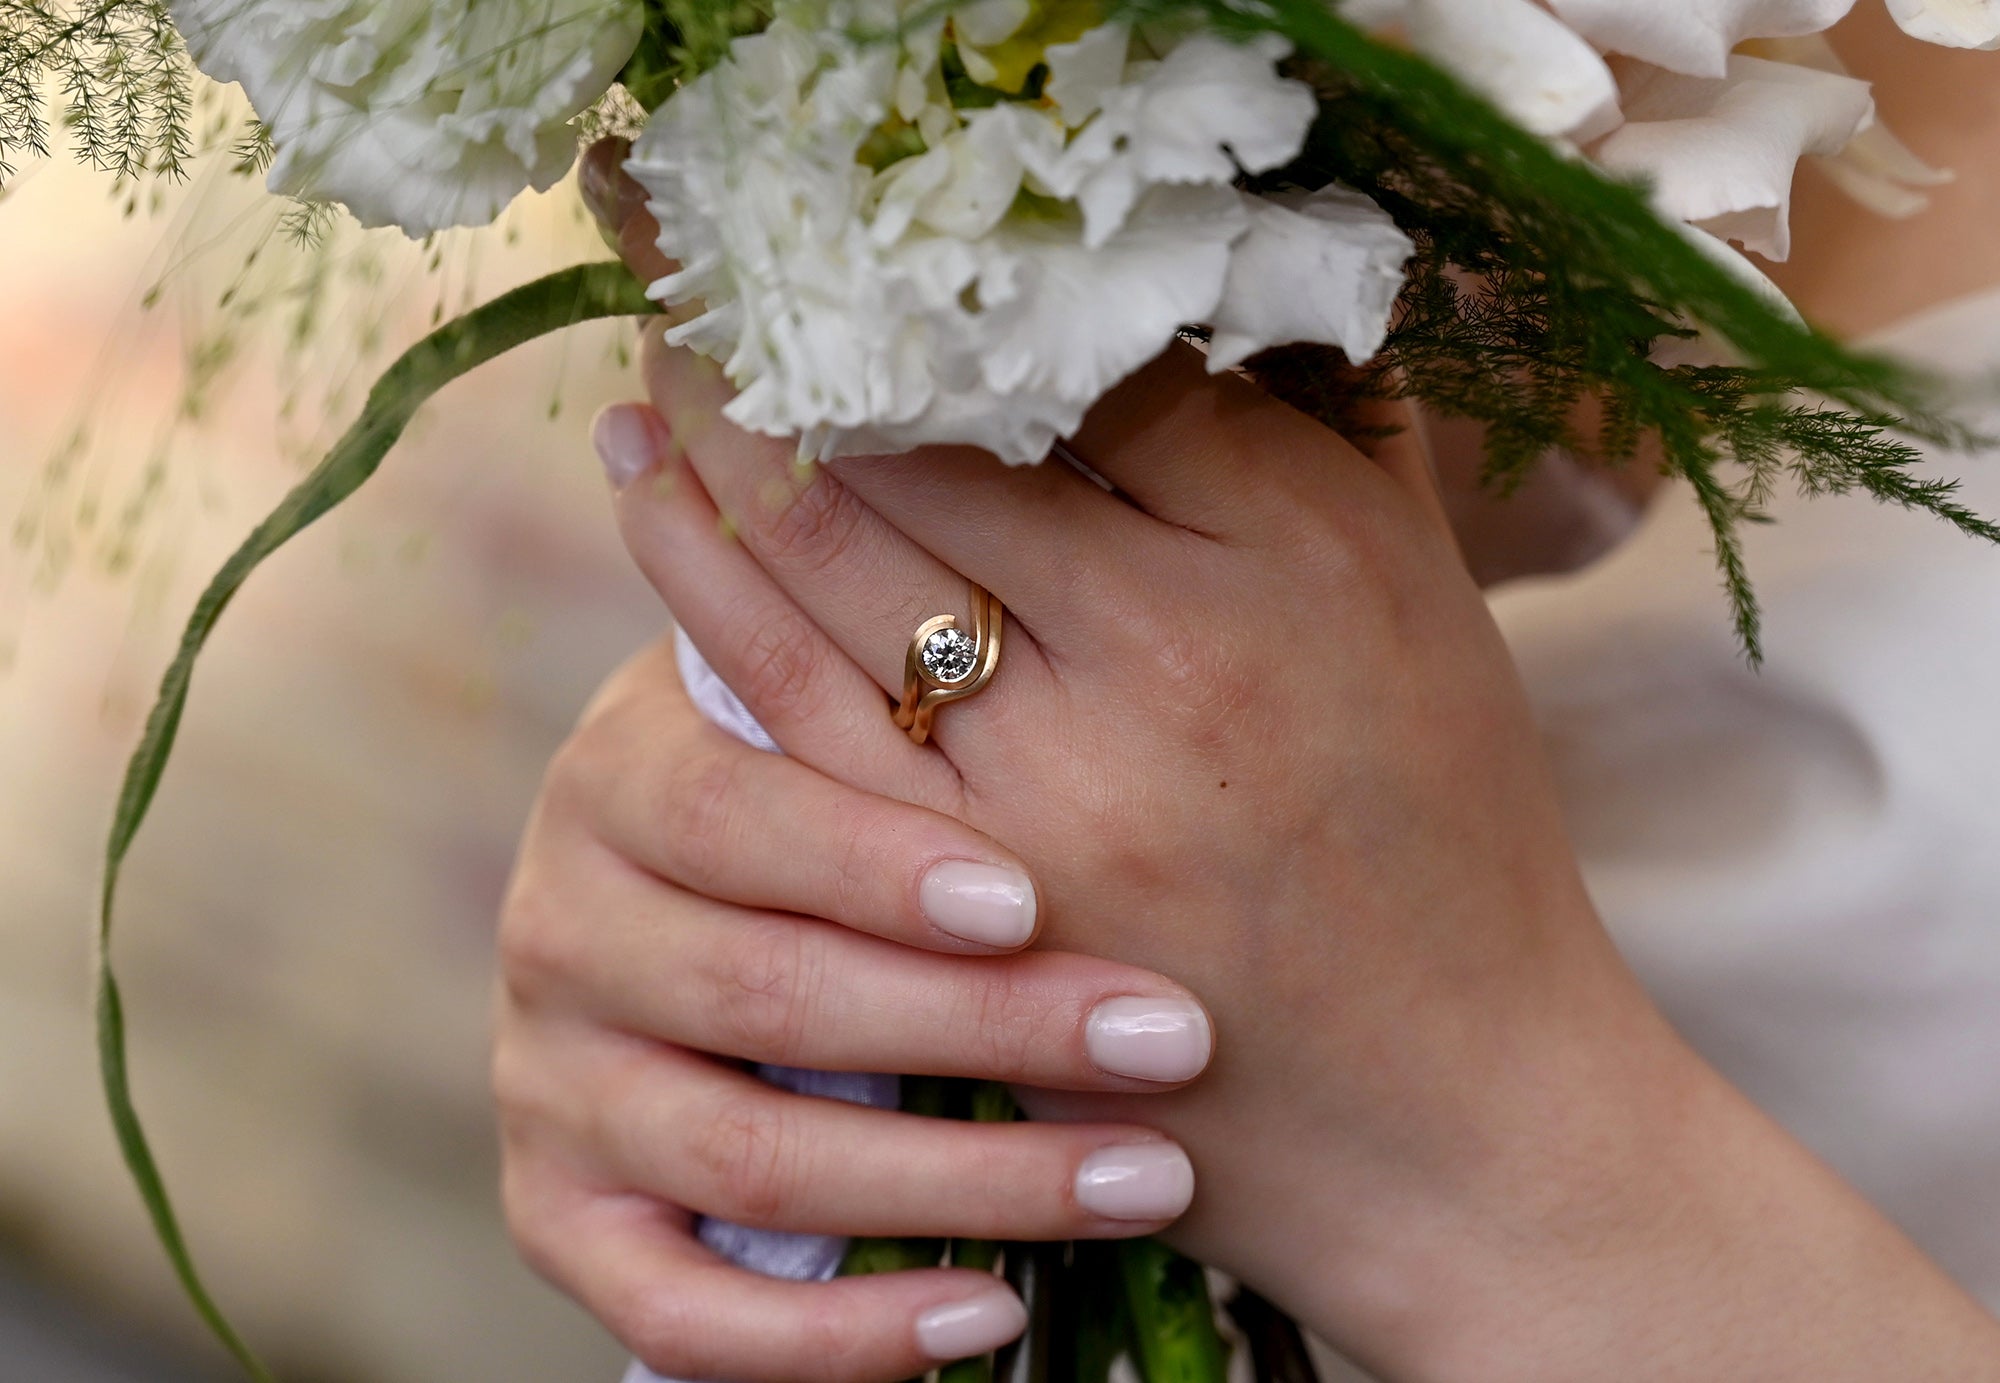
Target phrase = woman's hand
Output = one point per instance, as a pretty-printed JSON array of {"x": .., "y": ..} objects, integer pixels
[
  {"x": 654, "y": 925},
  {"x": 1254, "y": 728}
]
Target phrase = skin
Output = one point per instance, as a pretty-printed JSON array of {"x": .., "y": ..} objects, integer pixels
[{"x": 1443, "y": 1125}]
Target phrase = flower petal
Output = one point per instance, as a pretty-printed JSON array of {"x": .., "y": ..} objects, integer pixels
[
  {"x": 417, "y": 115},
  {"x": 1695, "y": 37},
  {"x": 1325, "y": 267},
  {"x": 1513, "y": 52},
  {"x": 1876, "y": 169},
  {"x": 1049, "y": 324},
  {"x": 1080, "y": 73},
  {"x": 1196, "y": 116},
  {"x": 1720, "y": 152},
  {"x": 1953, "y": 23},
  {"x": 1706, "y": 346}
]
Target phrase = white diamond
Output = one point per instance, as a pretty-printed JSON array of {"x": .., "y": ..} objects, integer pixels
[{"x": 948, "y": 654}]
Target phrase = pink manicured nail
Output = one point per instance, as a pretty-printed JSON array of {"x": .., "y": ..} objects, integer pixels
[
  {"x": 973, "y": 1326},
  {"x": 1143, "y": 1181},
  {"x": 1148, "y": 1039},
  {"x": 986, "y": 903},
  {"x": 629, "y": 442}
]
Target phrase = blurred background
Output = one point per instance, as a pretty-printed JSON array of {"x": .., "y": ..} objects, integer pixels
[{"x": 307, "y": 924}]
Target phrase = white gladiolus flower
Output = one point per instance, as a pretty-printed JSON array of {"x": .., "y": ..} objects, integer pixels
[
  {"x": 1697, "y": 36},
  {"x": 1720, "y": 152},
  {"x": 1953, "y": 23},
  {"x": 1876, "y": 169},
  {"x": 1693, "y": 36},
  {"x": 1682, "y": 84},
  {"x": 1513, "y": 52},
  {"x": 410, "y": 113},
  {"x": 879, "y": 270}
]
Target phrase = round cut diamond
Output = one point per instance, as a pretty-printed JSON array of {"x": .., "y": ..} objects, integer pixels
[{"x": 948, "y": 654}]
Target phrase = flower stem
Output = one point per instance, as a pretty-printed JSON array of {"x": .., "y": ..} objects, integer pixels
[
  {"x": 547, "y": 304},
  {"x": 1173, "y": 1320},
  {"x": 1277, "y": 1348}
]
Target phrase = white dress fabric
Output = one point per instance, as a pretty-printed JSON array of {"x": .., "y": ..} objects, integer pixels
[{"x": 1802, "y": 863}]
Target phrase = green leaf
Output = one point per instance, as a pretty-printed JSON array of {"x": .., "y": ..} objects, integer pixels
[{"x": 548, "y": 304}]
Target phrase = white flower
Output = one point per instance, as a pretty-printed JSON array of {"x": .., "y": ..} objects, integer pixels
[
  {"x": 411, "y": 113},
  {"x": 991, "y": 283},
  {"x": 1324, "y": 267},
  {"x": 1876, "y": 169},
  {"x": 1720, "y": 152},
  {"x": 1757, "y": 123},
  {"x": 1708, "y": 346},
  {"x": 1953, "y": 23},
  {"x": 1693, "y": 36},
  {"x": 1513, "y": 52},
  {"x": 1697, "y": 36},
  {"x": 1192, "y": 117}
]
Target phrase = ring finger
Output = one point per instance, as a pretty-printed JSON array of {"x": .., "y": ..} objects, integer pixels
[{"x": 860, "y": 579}]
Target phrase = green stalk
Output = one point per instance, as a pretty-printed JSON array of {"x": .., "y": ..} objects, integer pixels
[
  {"x": 866, "y": 1257},
  {"x": 1277, "y": 1348},
  {"x": 535, "y": 309},
  {"x": 1032, "y": 1270},
  {"x": 1103, "y": 1327},
  {"x": 986, "y": 1102},
  {"x": 1173, "y": 1320}
]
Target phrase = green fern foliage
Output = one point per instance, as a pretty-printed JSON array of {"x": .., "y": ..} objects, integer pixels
[{"x": 113, "y": 71}]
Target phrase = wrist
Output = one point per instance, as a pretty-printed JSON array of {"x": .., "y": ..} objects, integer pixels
[
  {"x": 1632, "y": 1211},
  {"x": 1507, "y": 1238}
]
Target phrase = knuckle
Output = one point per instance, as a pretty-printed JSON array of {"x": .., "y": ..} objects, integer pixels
[
  {"x": 782, "y": 662},
  {"x": 1198, "y": 672},
  {"x": 535, "y": 958},
  {"x": 833, "y": 1343},
  {"x": 568, "y": 768},
  {"x": 1213, "y": 688},
  {"x": 508, "y": 1074},
  {"x": 762, "y": 989},
  {"x": 529, "y": 1195},
  {"x": 524, "y": 1225},
  {"x": 1012, "y": 1028},
  {"x": 856, "y": 877},
  {"x": 698, "y": 815},
  {"x": 813, "y": 524},
  {"x": 746, "y": 1155},
  {"x": 670, "y": 1334},
  {"x": 1347, "y": 548}
]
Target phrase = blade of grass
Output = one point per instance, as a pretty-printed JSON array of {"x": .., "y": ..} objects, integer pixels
[{"x": 547, "y": 304}]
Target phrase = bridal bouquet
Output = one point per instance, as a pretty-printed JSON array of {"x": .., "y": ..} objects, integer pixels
[{"x": 905, "y": 222}]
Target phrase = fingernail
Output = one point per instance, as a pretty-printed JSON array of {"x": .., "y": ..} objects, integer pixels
[
  {"x": 972, "y": 1326},
  {"x": 628, "y": 441},
  {"x": 611, "y": 194},
  {"x": 1148, "y": 1039},
  {"x": 986, "y": 903},
  {"x": 1145, "y": 1181}
]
